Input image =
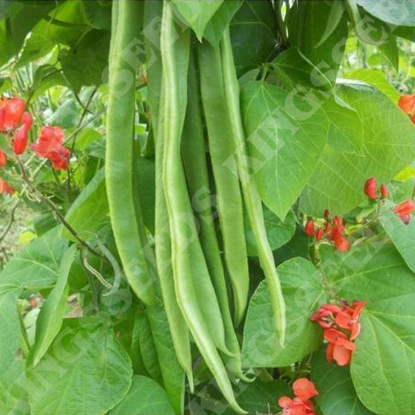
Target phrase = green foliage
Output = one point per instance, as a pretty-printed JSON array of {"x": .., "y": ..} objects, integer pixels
[{"x": 182, "y": 233}]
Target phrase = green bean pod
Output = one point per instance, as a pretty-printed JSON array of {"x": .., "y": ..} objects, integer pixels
[
  {"x": 119, "y": 153},
  {"x": 175, "y": 94},
  {"x": 195, "y": 164},
  {"x": 228, "y": 191},
  {"x": 252, "y": 199},
  {"x": 177, "y": 324}
]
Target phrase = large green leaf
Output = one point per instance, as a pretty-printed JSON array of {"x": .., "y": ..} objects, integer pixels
[
  {"x": 89, "y": 209},
  {"x": 278, "y": 232},
  {"x": 85, "y": 371},
  {"x": 383, "y": 365},
  {"x": 197, "y": 14},
  {"x": 388, "y": 147},
  {"x": 84, "y": 64},
  {"x": 66, "y": 24},
  {"x": 286, "y": 136},
  {"x": 260, "y": 397},
  {"x": 303, "y": 294},
  {"x": 9, "y": 328},
  {"x": 402, "y": 236},
  {"x": 334, "y": 384},
  {"x": 397, "y": 12},
  {"x": 376, "y": 78},
  {"x": 37, "y": 266},
  {"x": 144, "y": 398},
  {"x": 51, "y": 316},
  {"x": 13, "y": 395},
  {"x": 307, "y": 25},
  {"x": 253, "y": 34}
]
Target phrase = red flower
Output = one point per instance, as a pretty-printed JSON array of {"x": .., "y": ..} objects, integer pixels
[
  {"x": 50, "y": 139},
  {"x": 339, "y": 348},
  {"x": 341, "y": 327},
  {"x": 2, "y": 159},
  {"x": 370, "y": 188},
  {"x": 309, "y": 228},
  {"x": 404, "y": 210},
  {"x": 304, "y": 389},
  {"x": 12, "y": 112},
  {"x": 319, "y": 234},
  {"x": 342, "y": 244},
  {"x": 27, "y": 120},
  {"x": 383, "y": 191},
  {"x": 49, "y": 145},
  {"x": 59, "y": 158},
  {"x": 301, "y": 405},
  {"x": 20, "y": 140},
  {"x": 5, "y": 187},
  {"x": 407, "y": 104}
]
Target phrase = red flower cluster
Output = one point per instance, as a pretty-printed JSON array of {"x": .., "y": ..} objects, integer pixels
[
  {"x": 334, "y": 230},
  {"x": 404, "y": 210},
  {"x": 12, "y": 113},
  {"x": 5, "y": 187},
  {"x": 407, "y": 104},
  {"x": 303, "y": 390},
  {"x": 49, "y": 145},
  {"x": 370, "y": 189},
  {"x": 341, "y": 327}
]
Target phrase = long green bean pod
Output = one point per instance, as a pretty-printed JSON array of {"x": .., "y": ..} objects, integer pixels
[
  {"x": 252, "y": 199},
  {"x": 119, "y": 153},
  {"x": 195, "y": 164},
  {"x": 228, "y": 191},
  {"x": 178, "y": 205},
  {"x": 178, "y": 327}
]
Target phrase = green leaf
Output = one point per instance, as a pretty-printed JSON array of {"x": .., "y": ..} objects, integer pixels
[
  {"x": 197, "y": 14},
  {"x": 260, "y": 397},
  {"x": 376, "y": 78},
  {"x": 98, "y": 14},
  {"x": 278, "y": 232},
  {"x": 388, "y": 147},
  {"x": 85, "y": 371},
  {"x": 13, "y": 395},
  {"x": 337, "y": 394},
  {"x": 292, "y": 68},
  {"x": 89, "y": 209},
  {"x": 253, "y": 34},
  {"x": 46, "y": 77},
  {"x": 303, "y": 294},
  {"x": 286, "y": 136},
  {"x": 66, "y": 25},
  {"x": 397, "y": 12},
  {"x": 402, "y": 236},
  {"x": 9, "y": 328},
  {"x": 334, "y": 19},
  {"x": 346, "y": 128},
  {"x": 51, "y": 315},
  {"x": 37, "y": 266},
  {"x": 383, "y": 364},
  {"x": 307, "y": 23},
  {"x": 145, "y": 397},
  {"x": 217, "y": 24},
  {"x": 85, "y": 64}
]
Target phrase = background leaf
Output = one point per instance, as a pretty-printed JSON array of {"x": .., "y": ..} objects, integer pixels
[
  {"x": 383, "y": 365},
  {"x": 388, "y": 147},
  {"x": 286, "y": 135},
  {"x": 145, "y": 397},
  {"x": 303, "y": 293},
  {"x": 334, "y": 384},
  {"x": 86, "y": 371}
]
